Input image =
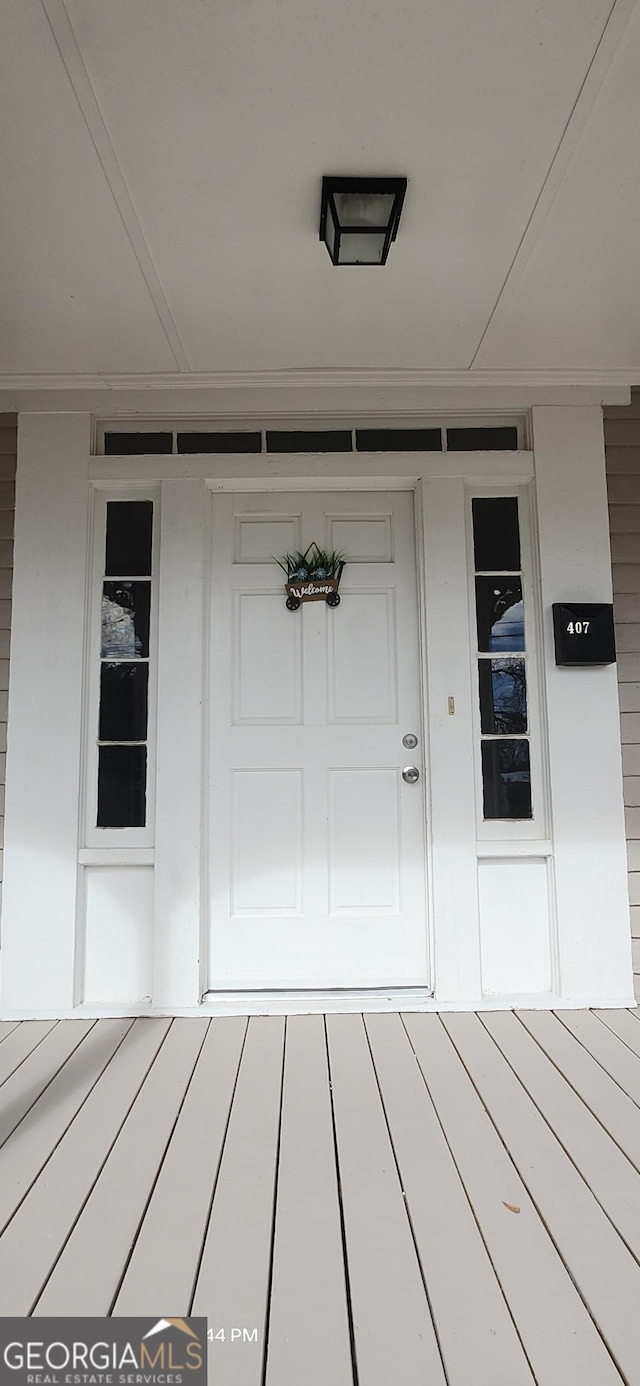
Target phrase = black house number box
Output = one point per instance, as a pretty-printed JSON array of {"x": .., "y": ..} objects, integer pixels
[{"x": 583, "y": 633}]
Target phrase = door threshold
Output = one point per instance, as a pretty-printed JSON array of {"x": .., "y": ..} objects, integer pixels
[{"x": 310, "y": 1001}]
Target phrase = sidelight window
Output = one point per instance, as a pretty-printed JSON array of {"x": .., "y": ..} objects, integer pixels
[
  {"x": 123, "y": 714},
  {"x": 501, "y": 658}
]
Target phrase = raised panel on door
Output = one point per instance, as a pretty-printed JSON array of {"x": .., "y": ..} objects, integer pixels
[
  {"x": 362, "y": 659},
  {"x": 267, "y": 672},
  {"x": 317, "y": 847},
  {"x": 266, "y": 813},
  {"x": 364, "y": 833}
]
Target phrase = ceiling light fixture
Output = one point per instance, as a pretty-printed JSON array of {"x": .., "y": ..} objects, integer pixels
[{"x": 359, "y": 218}]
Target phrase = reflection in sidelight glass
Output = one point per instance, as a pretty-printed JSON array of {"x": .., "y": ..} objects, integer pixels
[
  {"x": 506, "y": 778},
  {"x": 124, "y": 668},
  {"x": 503, "y": 696},
  {"x": 502, "y": 682},
  {"x": 125, "y": 620},
  {"x": 500, "y": 614}
]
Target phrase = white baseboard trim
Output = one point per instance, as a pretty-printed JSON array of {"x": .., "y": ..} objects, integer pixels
[{"x": 326, "y": 1003}]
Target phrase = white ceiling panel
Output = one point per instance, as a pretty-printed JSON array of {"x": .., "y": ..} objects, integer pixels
[
  {"x": 578, "y": 299},
  {"x": 72, "y": 297},
  {"x": 224, "y": 114}
]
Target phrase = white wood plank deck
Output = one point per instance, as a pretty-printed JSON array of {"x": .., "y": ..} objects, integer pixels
[{"x": 437, "y": 1200}]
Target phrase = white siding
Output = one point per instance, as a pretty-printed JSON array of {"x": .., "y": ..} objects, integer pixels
[
  {"x": 622, "y": 444},
  {"x": 8, "y": 444}
]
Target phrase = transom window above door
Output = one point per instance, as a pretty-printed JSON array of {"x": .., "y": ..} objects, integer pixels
[{"x": 472, "y": 435}]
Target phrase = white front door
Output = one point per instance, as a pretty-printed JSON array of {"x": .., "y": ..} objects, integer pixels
[{"x": 317, "y": 844}]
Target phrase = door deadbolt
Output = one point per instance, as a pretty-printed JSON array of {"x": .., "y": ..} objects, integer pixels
[
  {"x": 410, "y": 774},
  {"x": 410, "y": 741}
]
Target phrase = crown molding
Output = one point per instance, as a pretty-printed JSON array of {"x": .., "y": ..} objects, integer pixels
[
  {"x": 312, "y": 393},
  {"x": 322, "y": 378}
]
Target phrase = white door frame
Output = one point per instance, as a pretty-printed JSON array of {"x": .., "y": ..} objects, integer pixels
[{"x": 180, "y": 922}]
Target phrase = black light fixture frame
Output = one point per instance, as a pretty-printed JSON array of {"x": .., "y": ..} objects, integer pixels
[{"x": 331, "y": 186}]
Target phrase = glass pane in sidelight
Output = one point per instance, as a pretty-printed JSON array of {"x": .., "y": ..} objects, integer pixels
[
  {"x": 506, "y": 779},
  {"x": 129, "y": 531},
  {"x": 125, "y": 620},
  {"x": 122, "y": 785},
  {"x": 496, "y": 534},
  {"x": 503, "y": 696},
  {"x": 500, "y": 614},
  {"x": 124, "y": 692}
]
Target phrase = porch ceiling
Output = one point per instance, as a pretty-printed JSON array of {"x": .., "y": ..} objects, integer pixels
[{"x": 161, "y": 168}]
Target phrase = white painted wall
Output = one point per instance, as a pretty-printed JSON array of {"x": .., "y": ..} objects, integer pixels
[
  {"x": 177, "y": 958},
  {"x": 45, "y": 712},
  {"x": 117, "y": 904},
  {"x": 582, "y": 708}
]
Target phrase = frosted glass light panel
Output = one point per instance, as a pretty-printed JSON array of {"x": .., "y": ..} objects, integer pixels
[
  {"x": 123, "y": 713},
  {"x": 357, "y": 211},
  {"x": 362, "y": 250},
  {"x": 502, "y": 680}
]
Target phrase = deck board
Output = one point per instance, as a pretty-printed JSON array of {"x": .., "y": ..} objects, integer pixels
[
  {"x": 166, "y": 1255},
  {"x": 25, "y": 1154},
  {"x": 115, "y": 1206},
  {"x": 607, "y": 1048},
  {"x": 6, "y": 1027},
  {"x": 308, "y": 1295},
  {"x": 232, "y": 1289},
  {"x": 27, "y": 1084},
  {"x": 624, "y": 1025},
  {"x": 605, "y": 1169},
  {"x": 390, "y": 1307},
  {"x": 616, "y": 1112},
  {"x": 18, "y": 1045},
  {"x": 597, "y": 1259},
  {"x": 561, "y": 1340},
  {"x": 482, "y": 1345},
  {"x": 346, "y": 1186},
  {"x": 37, "y": 1233}
]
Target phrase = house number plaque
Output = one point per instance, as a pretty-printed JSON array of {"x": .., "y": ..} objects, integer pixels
[{"x": 583, "y": 633}]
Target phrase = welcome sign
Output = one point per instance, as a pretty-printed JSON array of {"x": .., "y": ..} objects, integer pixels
[{"x": 103, "y": 1352}]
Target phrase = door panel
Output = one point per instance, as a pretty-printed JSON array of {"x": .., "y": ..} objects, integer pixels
[
  {"x": 317, "y": 846},
  {"x": 266, "y": 661},
  {"x": 364, "y": 868},
  {"x": 266, "y": 842},
  {"x": 362, "y": 660}
]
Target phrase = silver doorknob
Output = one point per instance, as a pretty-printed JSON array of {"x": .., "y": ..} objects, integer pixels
[{"x": 410, "y": 774}]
